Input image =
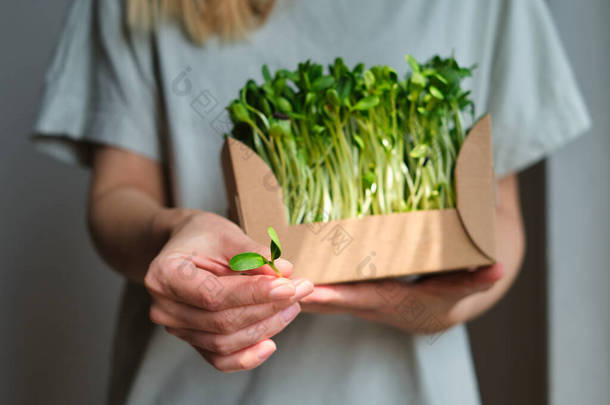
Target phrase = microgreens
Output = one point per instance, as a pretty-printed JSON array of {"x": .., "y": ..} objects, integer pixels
[
  {"x": 250, "y": 260},
  {"x": 347, "y": 142}
]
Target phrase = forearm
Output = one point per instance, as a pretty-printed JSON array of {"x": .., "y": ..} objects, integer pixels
[{"x": 129, "y": 227}]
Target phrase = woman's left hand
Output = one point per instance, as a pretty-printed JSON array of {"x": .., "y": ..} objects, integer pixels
[
  {"x": 430, "y": 305},
  {"x": 436, "y": 302}
]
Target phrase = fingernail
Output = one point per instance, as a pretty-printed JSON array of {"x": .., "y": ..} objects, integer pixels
[
  {"x": 304, "y": 287},
  {"x": 290, "y": 313},
  {"x": 283, "y": 262},
  {"x": 265, "y": 351},
  {"x": 281, "y": 288}
]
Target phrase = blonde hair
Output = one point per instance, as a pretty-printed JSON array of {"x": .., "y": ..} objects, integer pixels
[{"x": 200, "y": 19}]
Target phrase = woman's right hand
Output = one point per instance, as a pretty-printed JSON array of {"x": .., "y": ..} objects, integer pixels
[{"x": 226, "y": 316}]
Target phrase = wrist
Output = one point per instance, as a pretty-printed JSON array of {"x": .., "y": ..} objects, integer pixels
[{"x": 167, "y": 220}]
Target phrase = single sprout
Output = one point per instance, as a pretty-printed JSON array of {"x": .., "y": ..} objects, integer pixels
[{"x": 250, "y": 260}]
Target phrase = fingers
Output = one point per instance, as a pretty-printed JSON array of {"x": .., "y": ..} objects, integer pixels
[
  {"x": 355, "y": 296},
  {"x": 375, "y": 294},
  {"x": 242, "y": 360},
  {"x": 249, "y": 290},
  {"x": 322, "y": 309},
  {"x": 172, "y": 314},
  {"x": 462, "y": 283},
  {"x": 194, "y": 286},
  {"x": 226, "y": 344}
]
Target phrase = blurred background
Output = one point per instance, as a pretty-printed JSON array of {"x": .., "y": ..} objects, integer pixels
[{"x": 545, "y": 343}]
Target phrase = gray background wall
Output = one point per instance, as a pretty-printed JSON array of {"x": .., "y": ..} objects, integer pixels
[
  {"x": 57, "y": 300},
  {"x": 579, "y": 232}
]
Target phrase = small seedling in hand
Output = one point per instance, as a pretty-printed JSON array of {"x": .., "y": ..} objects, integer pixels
[{"x": 250, "y": 260}]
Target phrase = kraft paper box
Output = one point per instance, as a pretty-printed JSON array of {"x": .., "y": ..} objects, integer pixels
[{"x": 375, "y": 246}]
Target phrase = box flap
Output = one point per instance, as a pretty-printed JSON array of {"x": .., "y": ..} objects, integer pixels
[{"x": 475, "y": 187}]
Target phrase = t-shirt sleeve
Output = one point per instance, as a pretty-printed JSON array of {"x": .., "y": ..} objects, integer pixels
[
  {"x": 99, "y": 89},
  {"x": 534, "y": 99}
]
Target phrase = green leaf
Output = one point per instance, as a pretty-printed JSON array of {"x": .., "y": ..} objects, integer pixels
[
  {"x": 418, "y": 79},
  {"x": 309, "y": 98},
  {"x": 366, "y": 103},
  {"x": 279, "y": 128},
  {"x": 266, "y": 73},
  {"x": 440, "y": 78},
  {"x": 240, "y": 112},
  {"x": 288, "y": 74},
  {"x": 358, "y": 141},
  {"x": 369, "y": 180},
  {"x": 344, "y": 87},
  {"x": 420, "y": 151},
  {"x": 369, "y": 79},
  {"x": 318, "y": 129},
  {"x": 322, "y": 83},
  {"x": 412, "y": 63},
  {"x": 436, "y": 93},
  {"x": 276, "y": 248},
  {"x": 332, "y": 97},
  {"x": 247, "y": 261},
  {"x": 466, "y": 72},
  {"x": 284, "y": 105}
]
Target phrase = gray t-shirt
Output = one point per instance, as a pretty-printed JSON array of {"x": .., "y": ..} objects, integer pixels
[{"x": 162, "y": 97}]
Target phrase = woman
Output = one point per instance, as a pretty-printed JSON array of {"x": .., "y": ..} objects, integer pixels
[{"x": 137, "y": 93}]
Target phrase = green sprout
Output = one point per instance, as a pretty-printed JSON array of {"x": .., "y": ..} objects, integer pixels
[
  {"x": 250, "y": 260},
  {"x": 344, "y": 143}
]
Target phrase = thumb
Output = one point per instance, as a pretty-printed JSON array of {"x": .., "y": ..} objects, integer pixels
[{"x": 283, "y": 265}]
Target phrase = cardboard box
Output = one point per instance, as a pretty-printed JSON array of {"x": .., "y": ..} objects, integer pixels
[{"x": 373, "y": 246}]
